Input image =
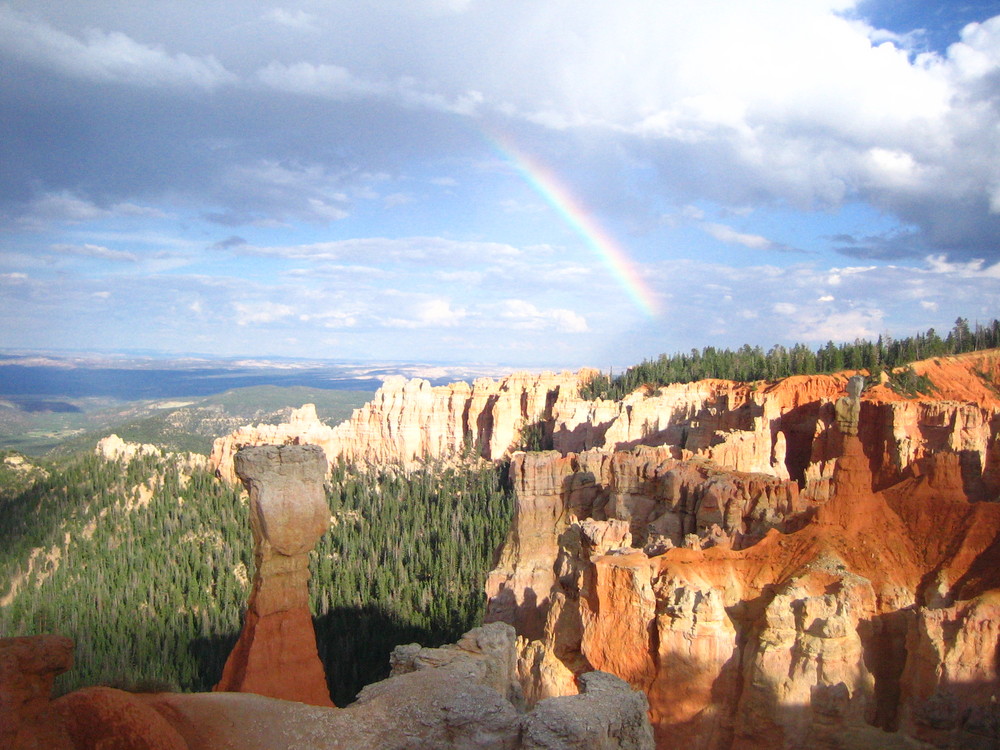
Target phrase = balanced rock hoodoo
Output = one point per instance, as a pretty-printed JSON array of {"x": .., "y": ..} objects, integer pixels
[{"x": 276, "y": 654}]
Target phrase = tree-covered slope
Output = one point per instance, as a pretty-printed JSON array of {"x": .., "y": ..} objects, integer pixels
[
  {"x": 146, "y": 565},
  {"x": 749, "y": 363}
]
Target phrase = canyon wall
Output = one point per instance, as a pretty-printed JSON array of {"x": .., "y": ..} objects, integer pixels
[
  {"x": 782, "y": 429},
  {"x": 409, "y": 421},
  {"x": 753, "y": 617}
]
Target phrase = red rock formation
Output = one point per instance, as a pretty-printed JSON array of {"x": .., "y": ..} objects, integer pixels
[
  {"x": 100, "y": 718},
  {"x": 864, "y": 621},
  {"x": 28, "y": 666},
  {"x": 276, "y": 652}
]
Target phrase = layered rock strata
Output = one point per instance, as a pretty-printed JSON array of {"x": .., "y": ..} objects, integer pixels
[
  {"x": 753, "y": 617},
  {"x": 276, "y": 653},
  {"x": 785, "y": 429}
]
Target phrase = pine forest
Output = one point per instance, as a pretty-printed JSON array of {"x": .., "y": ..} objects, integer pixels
[{"x": 146, "y": 564}]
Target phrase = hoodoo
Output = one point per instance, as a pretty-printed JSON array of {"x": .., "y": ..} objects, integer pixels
[{"x": 276, "y": 654}]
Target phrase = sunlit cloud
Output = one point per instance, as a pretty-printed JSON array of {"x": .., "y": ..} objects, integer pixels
[{"x": 105, "y": 56}]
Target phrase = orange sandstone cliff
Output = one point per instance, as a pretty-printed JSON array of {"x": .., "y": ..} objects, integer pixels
[{"x": 851, "y": 602}]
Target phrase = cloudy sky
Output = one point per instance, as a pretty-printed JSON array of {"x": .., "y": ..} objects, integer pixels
[{"x": 524, "y": 182}]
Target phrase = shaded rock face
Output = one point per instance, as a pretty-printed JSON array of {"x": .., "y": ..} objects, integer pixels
[
  {"x": 28, "y": 667},
  {"x": 769, "y": 620},
  {"x": 276, "y": 653}
]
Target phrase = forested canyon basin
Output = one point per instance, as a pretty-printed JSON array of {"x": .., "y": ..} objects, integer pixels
[{"x": 784, "y": 563}]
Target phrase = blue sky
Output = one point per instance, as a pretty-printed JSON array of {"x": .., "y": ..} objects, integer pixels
[{"x": 497, "y": 181}]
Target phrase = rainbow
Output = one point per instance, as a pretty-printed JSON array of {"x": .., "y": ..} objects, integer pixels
[{"x": 545, "y": 183}]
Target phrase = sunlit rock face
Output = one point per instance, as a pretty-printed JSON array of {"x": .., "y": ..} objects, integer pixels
[
  {"x": 754, "y": 557},
  {"x": 858, "y": 612},
  {"x": 276, "y": 653},
  {"x": 785, "y": 429},
  {"x": 409, "y": 421}
]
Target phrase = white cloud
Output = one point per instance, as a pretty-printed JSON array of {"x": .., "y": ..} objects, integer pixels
[
  {"x": 331, "y": 81},
  {"x": 96, "y": 251},
  {"x": 105, "y": 56},
  {"x": 293, "y": 19},
  {"x": 974, "y": 268},
  {"x": 522, "y": 314},
  {"x": 429, "y": 313},
  {"x": 68, "y": 207},
  {"x": 63, "y": 206},
  {"x": 426, "y": 251},
  {"x": 727, "y": 234},
  {"x": 838, "y": 326},
  {"x": 338, "y": 82},
  {"x": 251, "y": 313}
]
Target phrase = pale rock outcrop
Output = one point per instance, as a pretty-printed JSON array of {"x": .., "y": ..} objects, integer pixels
[
  {"x": 951, "y": 683},
  {"x": 303, "y": 428},
  {"x": 410, "y": 421},
  {"x": 805, "y": 676},
  {"x": 276, "y": 653},
  {"x": 113, "y": 448},
  {"x": 606, "y": 715}
]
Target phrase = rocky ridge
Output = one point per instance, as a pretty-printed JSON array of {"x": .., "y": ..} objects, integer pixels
[
  {"x": 764, "y": 575},
  {"x": 781, "y": 429}
]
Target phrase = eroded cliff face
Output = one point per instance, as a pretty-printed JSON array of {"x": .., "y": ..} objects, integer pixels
[
  {"x": 752, "y": 617},
  {"x": 785, "y": 429},
  {"x": 409, "y": 421}
]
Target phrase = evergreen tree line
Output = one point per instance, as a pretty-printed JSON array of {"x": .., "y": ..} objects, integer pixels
[
  {"x": 750, "y": 363},
  {"x": 152, "y": 583}
]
